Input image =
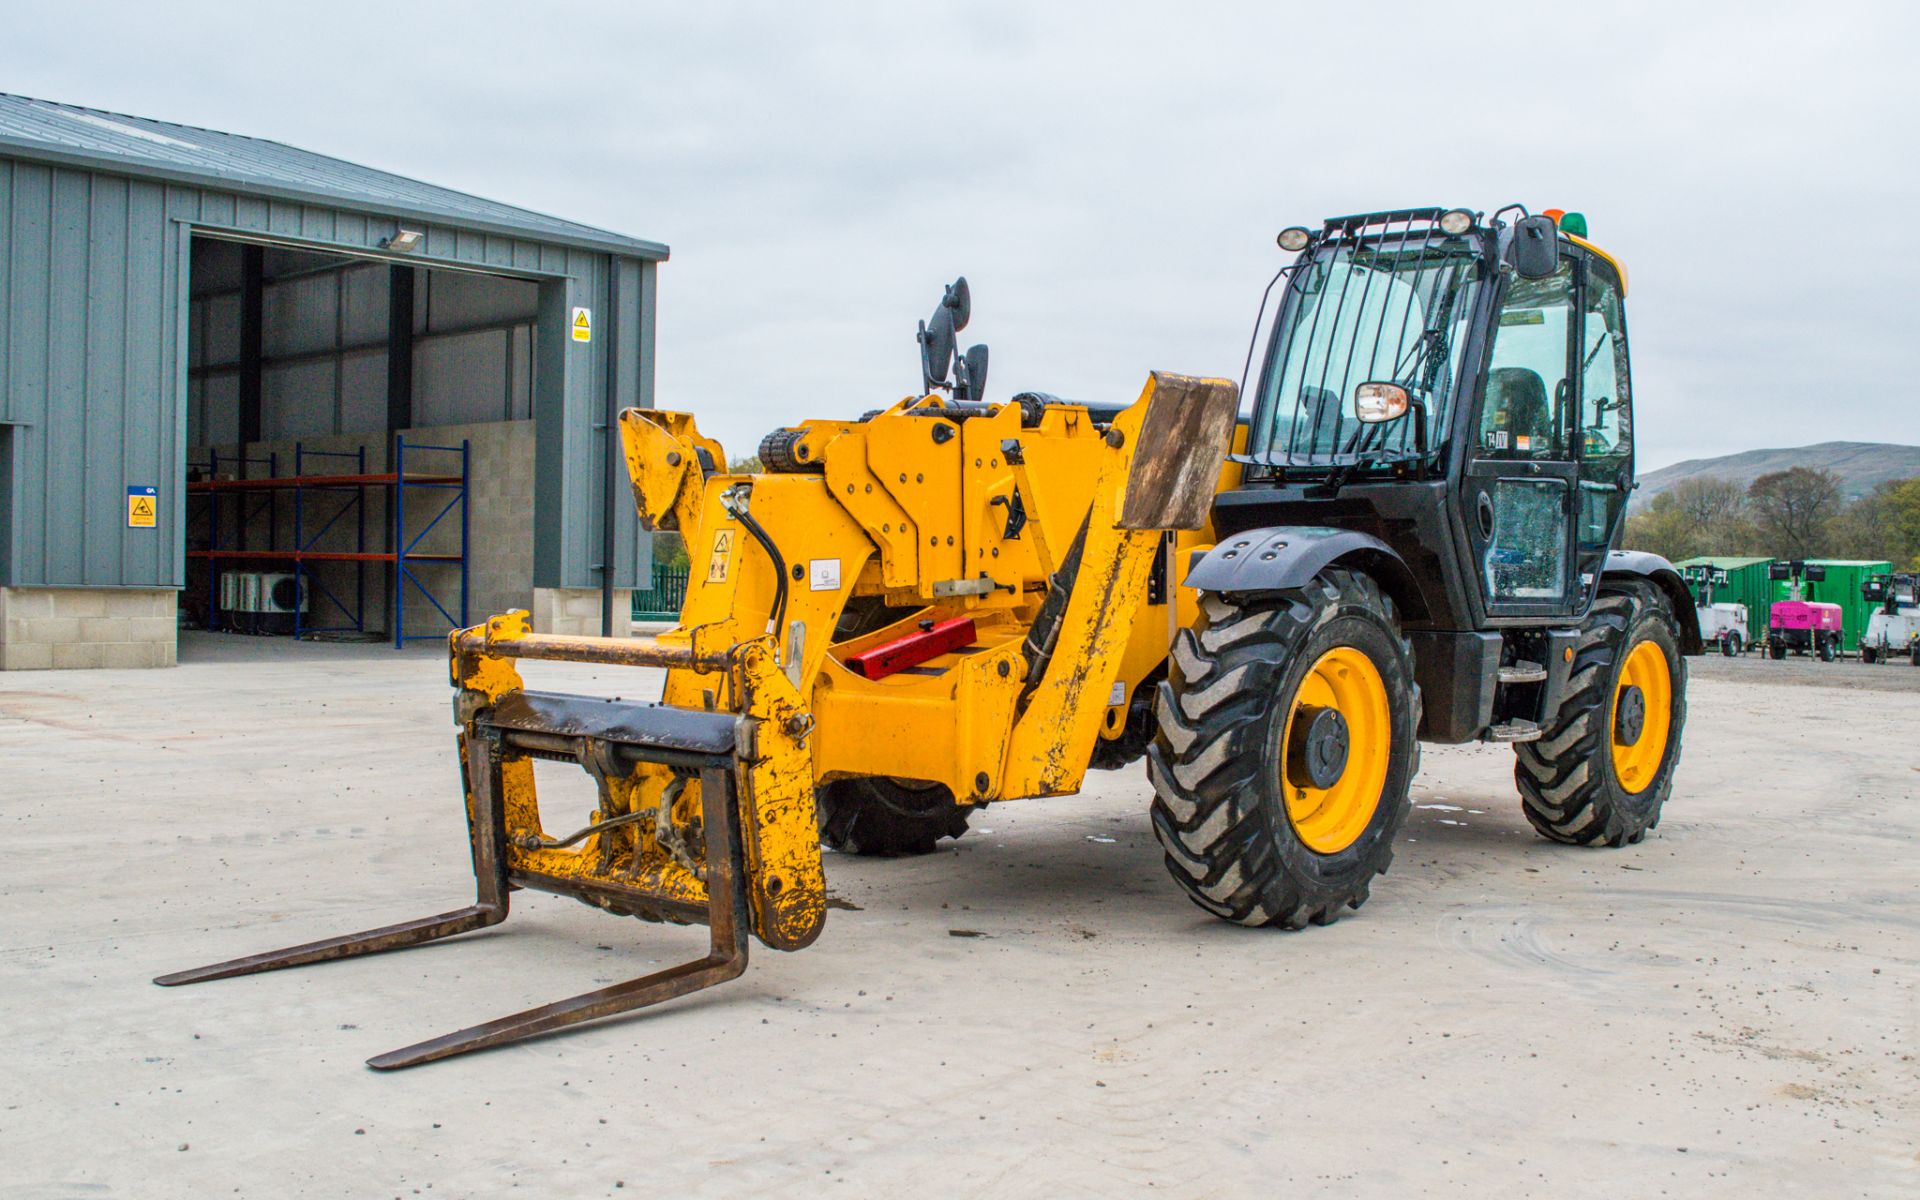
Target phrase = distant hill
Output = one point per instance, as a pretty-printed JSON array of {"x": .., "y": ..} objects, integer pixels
[{"x": 1859, "y": 465}]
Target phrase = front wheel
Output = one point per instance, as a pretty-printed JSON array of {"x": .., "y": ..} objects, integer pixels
[
  {"x": 1730, "y": 645},
  {"x": 1776, "y": 650},
  {"x": 1829, "y": 649},
  {"x": 1285, "y": 751},
  {"x": 1869, "y": 655},
  {"x": 1603, "y": 768}
]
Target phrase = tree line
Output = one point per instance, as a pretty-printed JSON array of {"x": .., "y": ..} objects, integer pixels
[{"x": 1797, "y": 513}]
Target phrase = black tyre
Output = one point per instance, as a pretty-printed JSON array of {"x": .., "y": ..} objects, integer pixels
[
  {"x": 1829, "y": 649},
  {"x": 1868, "y": 654},
  {"x": 1913, "y": 653},
  {"x": 1730, "y": 645},
  {"x": 1776, "y": 650},
  {"x": 1285, "y": 751},
  {"x": 1603, "y": 768},
  {"x": 888, "y": 818}
]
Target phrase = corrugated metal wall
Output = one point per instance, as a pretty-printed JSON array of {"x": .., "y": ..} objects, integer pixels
[
  {"x": 93, "y": 371},
  {"x": 86, "y": 268}
]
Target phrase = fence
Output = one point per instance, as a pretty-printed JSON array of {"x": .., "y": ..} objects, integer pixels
[{"x": 662, "y": 601}]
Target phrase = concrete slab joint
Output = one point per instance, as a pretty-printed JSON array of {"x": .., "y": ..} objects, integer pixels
[{"x": 76, "y": 628}]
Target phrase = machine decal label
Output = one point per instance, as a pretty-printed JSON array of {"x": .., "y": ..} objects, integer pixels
[
  {"x": 143, "y": 508},
  {"x": 722, "y": 552},
  {"x": 1118, "y": 696},
  {"x": 823, "y": 574},
  {"x": 582, "y": 325}
]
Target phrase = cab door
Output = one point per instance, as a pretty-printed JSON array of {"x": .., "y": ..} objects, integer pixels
[
  {"x": 1522, "y": 477},
  {"x": 1604, "y": 426}
]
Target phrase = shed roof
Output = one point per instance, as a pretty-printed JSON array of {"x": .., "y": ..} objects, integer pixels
[{"x": 70, "y": 135}]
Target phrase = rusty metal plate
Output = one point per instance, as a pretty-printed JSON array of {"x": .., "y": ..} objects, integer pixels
[{"x": 1183, "y": 444}]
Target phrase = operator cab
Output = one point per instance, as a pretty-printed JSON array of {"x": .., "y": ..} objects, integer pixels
[{"x": 1423, "y": 346}]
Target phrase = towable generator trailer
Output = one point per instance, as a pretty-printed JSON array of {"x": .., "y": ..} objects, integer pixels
[
  {"x": 952, "y": 601},
  {"x": 1893, "y": 628}
]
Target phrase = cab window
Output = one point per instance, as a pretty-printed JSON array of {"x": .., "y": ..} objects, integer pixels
[
  {"x": 1606, "y": 415},
  {"x": 1606, "y": 430},
  {"x": 1523, "y": 415}
]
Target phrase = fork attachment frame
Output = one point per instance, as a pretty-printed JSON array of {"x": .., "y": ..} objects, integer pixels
[{"x": 724, "y": 914}]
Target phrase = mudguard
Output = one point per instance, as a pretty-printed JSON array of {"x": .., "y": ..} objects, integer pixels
[
  {"x": 1279, "y": 558},
  {"x": 1642, "y": 564}
]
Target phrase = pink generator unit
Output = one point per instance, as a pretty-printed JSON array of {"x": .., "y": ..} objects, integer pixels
[{"x": 1804, "y": 627}]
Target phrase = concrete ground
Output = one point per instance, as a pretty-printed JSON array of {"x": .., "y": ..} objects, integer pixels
[{"x": 1728, "y": 1009}]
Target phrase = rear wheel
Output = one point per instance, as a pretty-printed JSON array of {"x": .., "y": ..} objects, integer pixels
[
  {"x": 1868, "y": 654},
  {"x": 888, "y": 818},
  {"x": 1603, "y": 768},
  {"x": 1285, "y": 751},
  {"x": 1730, "y": 645},
  {"x": 1776, "y": 650},
  {"x": 1829, "y": 649}
]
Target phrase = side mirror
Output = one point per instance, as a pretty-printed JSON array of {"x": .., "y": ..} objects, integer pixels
[
  {"x": 1376, "y": 403},
  {"x": 1536, "y": 247},
  {"x": 970, "y": 375},
  {"x": 937, "y": 334},
  {"x": 936, "y": 349}
]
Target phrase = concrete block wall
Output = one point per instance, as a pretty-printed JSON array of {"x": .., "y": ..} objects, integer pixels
[
  {"x": 66, "y": 628},
  {"x": 500, "y": 516},
  {"x": 577, "y": 611}
]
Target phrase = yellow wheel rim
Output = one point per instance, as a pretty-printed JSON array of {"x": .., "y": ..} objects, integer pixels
[
  {"x": 1635, "y": 764},
  {"x": 1329, "y": 819}
]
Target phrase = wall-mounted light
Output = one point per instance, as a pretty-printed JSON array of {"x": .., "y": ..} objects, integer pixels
[{"x": 403, "y": 241}]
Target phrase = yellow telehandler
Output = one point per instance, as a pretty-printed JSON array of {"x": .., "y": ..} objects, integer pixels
[{"x": 951, "y": 602}]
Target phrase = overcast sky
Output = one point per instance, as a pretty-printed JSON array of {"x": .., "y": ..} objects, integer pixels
[{"x": 1109, "y": 178}]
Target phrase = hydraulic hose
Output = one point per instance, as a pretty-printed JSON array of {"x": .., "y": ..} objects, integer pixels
[
  {"x": 738, "y": 507},
  {"x": 1046, "y": 624}
]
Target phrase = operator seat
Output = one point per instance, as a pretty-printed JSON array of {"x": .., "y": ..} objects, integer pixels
[{"x": 1523, "y": 395}]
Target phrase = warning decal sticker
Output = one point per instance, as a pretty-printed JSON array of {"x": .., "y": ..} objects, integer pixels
[
  {"x": 582, "y": 325},
  {"x": 722, "y": 551},
  {"x": 143, "y": 508}
]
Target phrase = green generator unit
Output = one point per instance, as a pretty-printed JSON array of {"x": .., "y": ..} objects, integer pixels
[
  {"x": 1841, "y": 586},
  {"x": 1747, "y": 584}
]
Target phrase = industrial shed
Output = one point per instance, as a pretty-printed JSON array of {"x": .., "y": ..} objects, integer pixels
[{"x": 226, "y": 356}]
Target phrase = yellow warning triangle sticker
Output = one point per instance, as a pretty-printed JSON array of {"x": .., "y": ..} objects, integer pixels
[{"x": 582, "y": 325}]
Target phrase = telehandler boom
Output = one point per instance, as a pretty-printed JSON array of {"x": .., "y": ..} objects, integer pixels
[{"x": 951, "y": 602}]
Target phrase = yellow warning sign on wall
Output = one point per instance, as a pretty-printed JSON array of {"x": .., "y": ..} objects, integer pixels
[
  {"x": 582, "y": 325},
  {"x": 722, "y": 549},
  {"x": 143, "y": 508}
]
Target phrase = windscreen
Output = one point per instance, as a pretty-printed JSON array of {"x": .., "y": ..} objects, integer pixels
[{"x": 1391, "y": 310}]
